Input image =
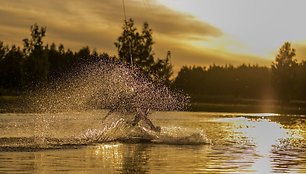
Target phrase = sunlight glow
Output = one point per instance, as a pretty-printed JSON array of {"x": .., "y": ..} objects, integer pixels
[
  {"x": 265, "y": 135},
  {"x": 254, "y": 27},
  {"x": 262, "y": 114},
  {"x": 265, "y": 138}
]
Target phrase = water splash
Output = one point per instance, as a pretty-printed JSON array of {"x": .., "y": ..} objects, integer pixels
[
  {"x": 107, "y": 85},
  {"x": 102, "y": 85},
  {"x": 120, "y": 131},
  {"x": 74, "y": 130}
]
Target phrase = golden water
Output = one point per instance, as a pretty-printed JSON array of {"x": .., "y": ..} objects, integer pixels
[{"x": 234, "y": 143}]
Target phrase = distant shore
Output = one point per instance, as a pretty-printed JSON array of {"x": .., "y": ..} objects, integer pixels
[
  {"x": 248, "y": 108},
  {"x": 18, "y": 103}
]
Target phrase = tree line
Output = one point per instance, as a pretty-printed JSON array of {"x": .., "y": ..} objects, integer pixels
[
  {"x": 285, "y": 80},
  {"x": 35, "y": 64}
]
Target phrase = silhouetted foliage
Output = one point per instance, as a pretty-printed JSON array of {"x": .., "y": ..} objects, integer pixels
[
  {"x": 224, "y": 81},
  {"x": 136, "y": 48},
  {"x": 286, "y": 80},
  {"x": 10, "y": 68},
  {"x": 3, "y": 50},
  {"x": 301, "y": 81},
  {"x": 284, "y": 72},
  {"x": 162, "y": 70},
  {"x": 56, "y": 60},
  {"x": 36, "y": 64}
]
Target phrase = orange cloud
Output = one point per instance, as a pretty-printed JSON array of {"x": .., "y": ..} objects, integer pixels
[{"x": 97, "y": 23}]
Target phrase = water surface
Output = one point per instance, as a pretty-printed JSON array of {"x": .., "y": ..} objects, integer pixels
[{"x": 190, "y": 142}]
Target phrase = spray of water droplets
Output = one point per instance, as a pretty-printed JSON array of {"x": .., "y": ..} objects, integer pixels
[{"x": 107, "y": 85}]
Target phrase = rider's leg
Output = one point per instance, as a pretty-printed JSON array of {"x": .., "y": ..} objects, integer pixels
[
  {"x": 149, "y": 122},
  {"x": 136, "y": 120}
]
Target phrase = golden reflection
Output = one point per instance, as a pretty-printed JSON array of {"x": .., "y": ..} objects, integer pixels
[
  {"x": 262, "y": 114},
  {"x": 109, "y": 152},
  {"x": 265, "y": 136}
]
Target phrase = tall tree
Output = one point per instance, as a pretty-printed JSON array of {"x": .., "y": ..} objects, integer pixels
[
  {"x": 162, "y": 70},
  {"x": 36, "y": 64},
  {"x": 136, "y": 48},
  {"x": 284, "y": 72}
]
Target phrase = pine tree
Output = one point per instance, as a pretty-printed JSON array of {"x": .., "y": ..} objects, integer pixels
[
  {"x": 284, "y": 72},
  {"x": 136, "y": 49},
  {"x": 36, "y": 64}
]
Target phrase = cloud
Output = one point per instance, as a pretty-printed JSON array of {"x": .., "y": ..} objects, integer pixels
[
  {"x": 64, "y": 24},
  {"x": 162, "y": 19},
  {"x": 184, "y": 54},
  {"x": 96, "y": 15},
  {"x": 96, "y": 23},
  {"x": 175, "y": 24}
]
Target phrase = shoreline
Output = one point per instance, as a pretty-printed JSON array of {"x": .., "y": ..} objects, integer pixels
[
  {"x": 18, "y": 104},
  {"x": 247, "y": 108}
]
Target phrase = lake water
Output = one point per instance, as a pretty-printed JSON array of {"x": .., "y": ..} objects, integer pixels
[{"x": 189, "y": 142}]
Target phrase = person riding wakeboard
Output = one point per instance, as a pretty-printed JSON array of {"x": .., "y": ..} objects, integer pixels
[
  {"x": 142, "y": 114},
  {"x": 130, "y": 104}
]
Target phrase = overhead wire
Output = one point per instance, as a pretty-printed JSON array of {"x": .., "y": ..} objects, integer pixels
[
  {"x": 146, "y": 5},
  {"x": 129, "y": 39},
  {"x": 124, "y": 11}
]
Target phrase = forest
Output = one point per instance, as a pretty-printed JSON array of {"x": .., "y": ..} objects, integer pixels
[
  {"x": 36, "y": 63},
  {"x": 244, "y": 81}
]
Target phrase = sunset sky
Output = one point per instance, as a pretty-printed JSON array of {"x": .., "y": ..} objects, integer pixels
[{"x": 198, "y": 32}]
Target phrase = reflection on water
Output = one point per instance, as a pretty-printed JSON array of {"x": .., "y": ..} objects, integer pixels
[
  {"x": 240, "y": 143},
  {"x": 266, "y": 137}
]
